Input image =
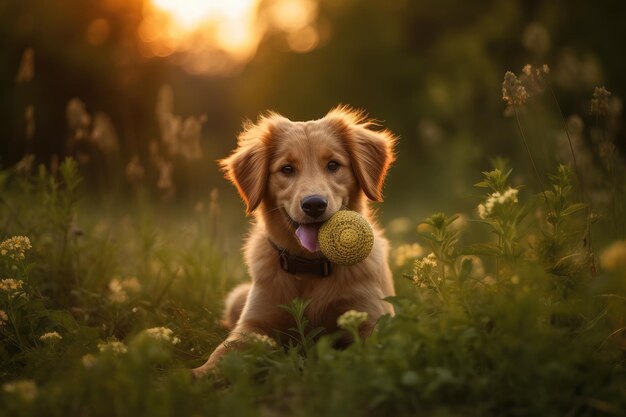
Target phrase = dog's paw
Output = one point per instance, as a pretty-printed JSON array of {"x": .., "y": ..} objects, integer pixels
[{"x": 200, "y": 372}]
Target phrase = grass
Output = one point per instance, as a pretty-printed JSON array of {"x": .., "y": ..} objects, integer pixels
[
  {"x": 104, "y": 314},
  {"x": 539, "y": 336}
]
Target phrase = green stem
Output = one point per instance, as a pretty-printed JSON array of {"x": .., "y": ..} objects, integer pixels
[
  {"x": 498, "y": 260},
  {"x": 581, "y": 189},
  {"x": 532, "y": 160},
  {"x": 581, "y": 195},
  {"x": 436, "y": 287},
  {"x": 530, "y": 155},
  {"x": 12, "y": 318}
]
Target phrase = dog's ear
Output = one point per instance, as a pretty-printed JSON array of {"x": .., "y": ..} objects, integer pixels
[
  {"x": 247, "y": 167},
  {"x": 371, "y": 151}
]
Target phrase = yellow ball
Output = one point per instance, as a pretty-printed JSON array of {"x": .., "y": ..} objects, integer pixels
[{"x": 346, "y": 238}]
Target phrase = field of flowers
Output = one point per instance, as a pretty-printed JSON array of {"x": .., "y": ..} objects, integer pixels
[{"x": 518, "y": 308}]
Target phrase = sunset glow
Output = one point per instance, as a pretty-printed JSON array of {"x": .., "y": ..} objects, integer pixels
[{"x": 219, "y": 36}]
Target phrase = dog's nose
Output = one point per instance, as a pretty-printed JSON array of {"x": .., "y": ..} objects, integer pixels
[{"x": 314, "y": 205}]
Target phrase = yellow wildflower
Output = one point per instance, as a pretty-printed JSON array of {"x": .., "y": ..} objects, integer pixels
[
  {"x": 613, "y": 258},
  {"x": 10, "y": 285},
  {"x": 399, "y": 225},
  {"x": 3, "y": 318},
  {"x": 15, "y": 247}
]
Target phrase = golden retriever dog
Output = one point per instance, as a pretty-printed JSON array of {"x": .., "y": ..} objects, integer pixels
[{"x": 293, "y": 176}]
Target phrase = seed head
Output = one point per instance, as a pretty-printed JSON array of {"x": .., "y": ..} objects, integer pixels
[
  {"x": 513, "y": 92},
  {"x": 600, "y": 101}
]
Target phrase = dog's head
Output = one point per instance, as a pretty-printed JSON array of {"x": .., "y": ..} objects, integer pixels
[{"x": 305, "y": 172}]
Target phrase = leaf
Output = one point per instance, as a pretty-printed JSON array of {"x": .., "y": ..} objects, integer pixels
[
  {"x": 523, "y": 212},
  {"x": 573, "y": 209},
  {"x": 69, "y": 172},
  {"x": 399, "y": 303},
  {"x": 314, "y": 333},
  {"x": 64, "y": 319},
  {"x": 487, "y": 249},
  {"x": 466, "y": 269},
  {"x": 451, "y": 220},
  {"x": 430, "y": 237}
]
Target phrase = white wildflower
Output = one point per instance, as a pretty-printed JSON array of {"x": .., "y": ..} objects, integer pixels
[
  {"x": 50, "y": 337},
  {"x": 25, "y": 389},
  {"x": 113, "y": 346},
  {"x": 261, "y": 339},
  {"x": 507, "y": 197},
  {"x": 119, "y": 288},
  {"x": 162, "y": 333},
  {"x": 425, "y": 271},
  {"x": 351, "y": 319},
  {"x": 117, "y": 294},
  {"x": 89, "y": 361},
  {"x": 407, "y": 252}
]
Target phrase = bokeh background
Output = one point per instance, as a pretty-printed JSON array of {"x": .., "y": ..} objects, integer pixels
[
  {"x": 150, "y": 93},
  {"x": 120, "y": 238}
]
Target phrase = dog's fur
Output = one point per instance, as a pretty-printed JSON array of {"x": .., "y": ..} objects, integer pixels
[{"x": 274, "y": 198}]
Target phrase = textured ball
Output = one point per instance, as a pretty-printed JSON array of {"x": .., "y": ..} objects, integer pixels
[{"x": 346, "y": 238}]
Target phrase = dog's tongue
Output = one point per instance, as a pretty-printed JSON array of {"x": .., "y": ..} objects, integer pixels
[{"x": 307, "y": 234}]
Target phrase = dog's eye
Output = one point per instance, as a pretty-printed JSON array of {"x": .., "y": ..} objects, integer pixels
[
  {"x": 287, "y": 170},
  {"x": 333, "y": 166}
]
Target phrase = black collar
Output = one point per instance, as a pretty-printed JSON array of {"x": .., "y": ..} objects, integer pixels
[{"x": 298, "y": 265}]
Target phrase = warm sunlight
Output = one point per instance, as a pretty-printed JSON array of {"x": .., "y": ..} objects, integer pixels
[
  {"x": 217, "y": 36},
  {"x": 192, "y": 12}
]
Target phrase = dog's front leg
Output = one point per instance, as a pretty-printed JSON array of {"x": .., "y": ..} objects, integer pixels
[
  {"x": 261, "y": 315},
  {"x": 221, "y": 350},
  {"x": 235, "y": 341}
]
